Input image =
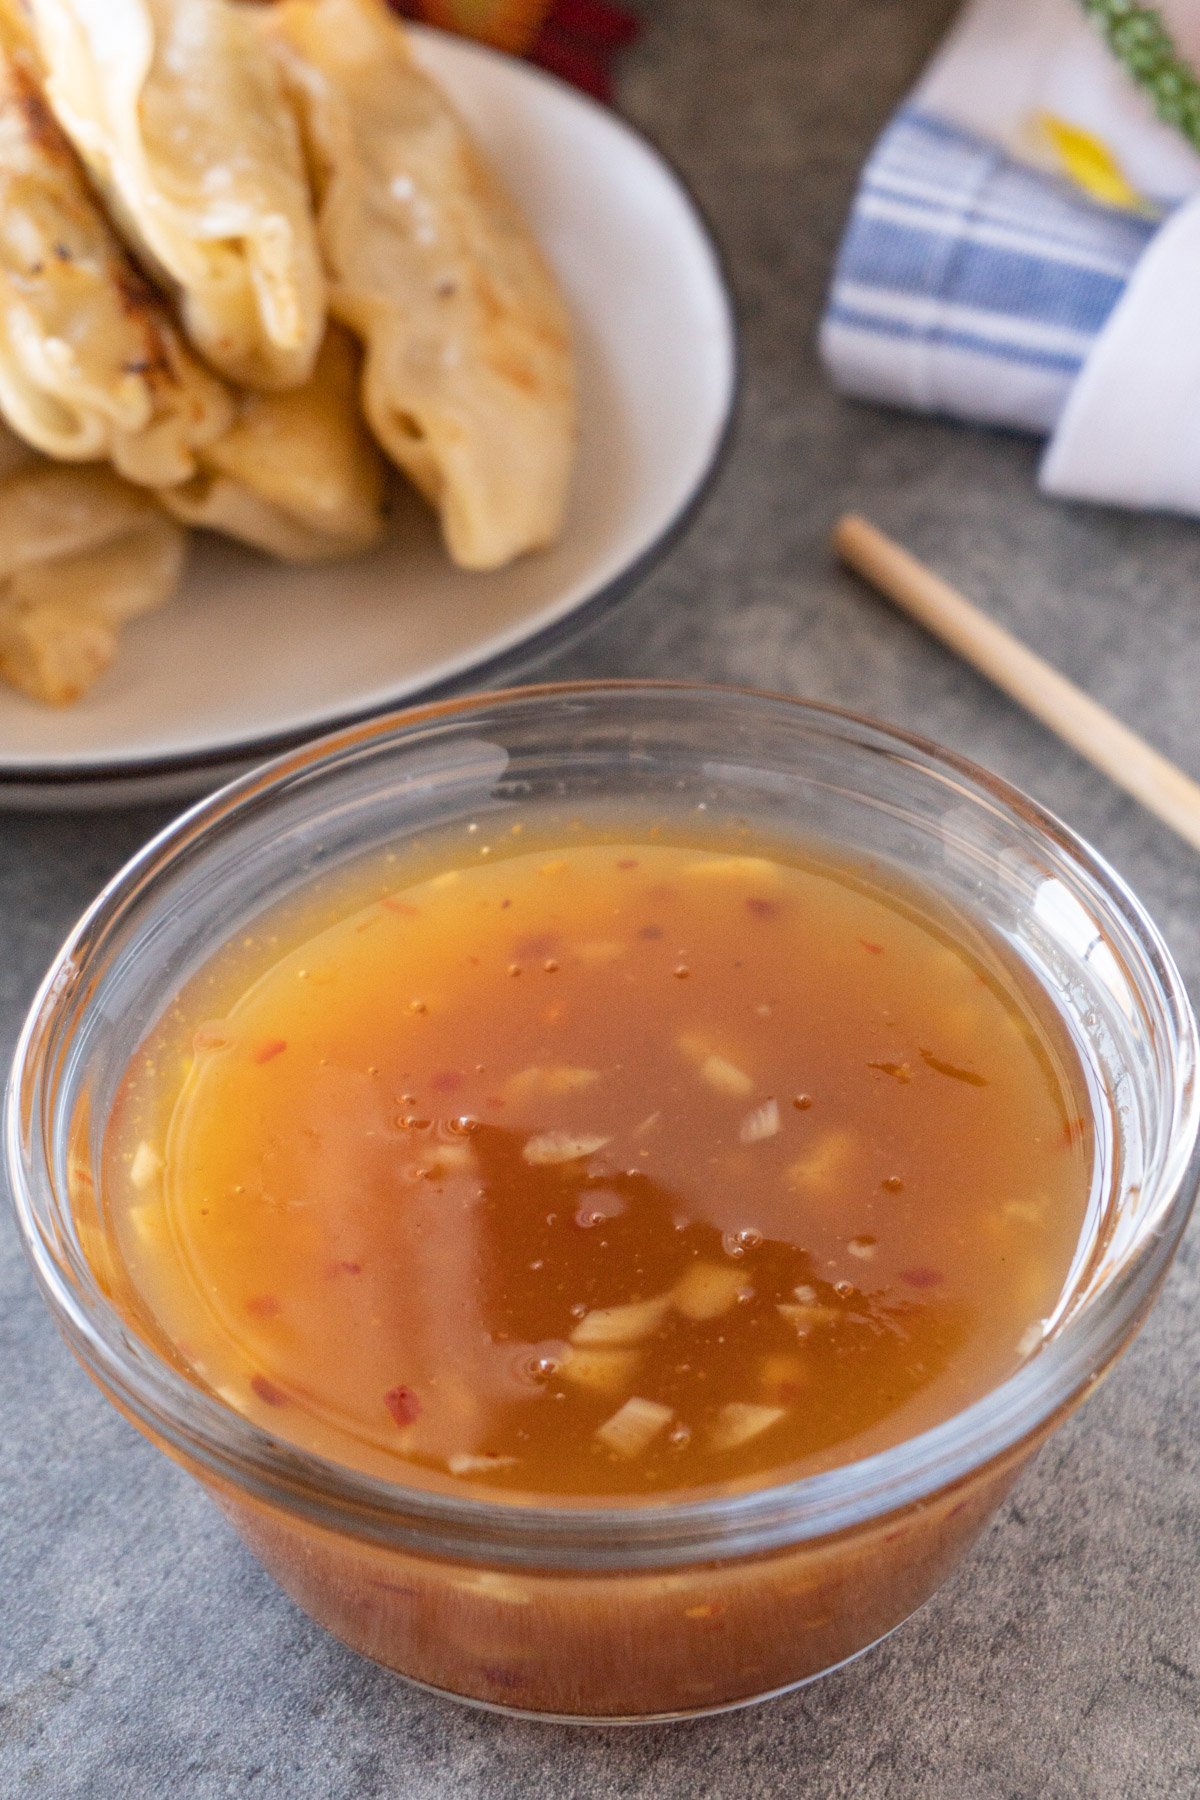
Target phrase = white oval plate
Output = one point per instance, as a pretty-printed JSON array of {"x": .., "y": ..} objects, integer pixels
[{"x": 253, "y": 655}]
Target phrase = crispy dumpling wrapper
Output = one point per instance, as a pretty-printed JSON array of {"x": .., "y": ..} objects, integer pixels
[
  {"x": 91, "y": 366},
  {"x": 468, "y": 380},
  {"x": 81, "y": 553},
  {"x": 177, "y": 109},
  {"x": 298, "y": 475}
]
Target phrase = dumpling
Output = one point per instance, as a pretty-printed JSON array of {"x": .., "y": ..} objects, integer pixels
[
  {"x": 81, "y": 553},
  {"x": 177, "y": 109},
  {"x": 468, "y": 381},
  {"x": 91, "y": 366},
  {"x": 298, "y": 474}
]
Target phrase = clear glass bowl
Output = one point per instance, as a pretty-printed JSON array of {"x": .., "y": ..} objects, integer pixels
[{"x": 629, "y": 1610}]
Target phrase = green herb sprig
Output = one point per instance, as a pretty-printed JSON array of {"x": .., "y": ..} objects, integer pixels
[{"x": 1141, "y": 42}]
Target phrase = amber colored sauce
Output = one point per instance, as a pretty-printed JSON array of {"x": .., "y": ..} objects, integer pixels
[{"x": 385, "y": 1172}]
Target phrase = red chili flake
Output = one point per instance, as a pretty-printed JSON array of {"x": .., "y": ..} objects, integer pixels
[
  {"x": 209, "y": 1038},
  {"x": 762, "y": 909},
  {"x": 342, "y": 1268},
  {"x": 272, "y": 1047},
  {"x": 922, "y": 1277},
  {"x": 445, "y": 1081},
  {"x": 496, "y": 1100},
  {"x": 875, "y": 949},
  {"x": 650, "y": 931},
  {"x": 628, "y": 862},
  {"x": 404, "y": 907},
  {"x": 504, "y": 904},
  {"x": 952, "y": 1070},
  {"x": 263, "y": 1306},
  {"x": 267, "y": 1392},
  {"x": 403, "y": 1405}
]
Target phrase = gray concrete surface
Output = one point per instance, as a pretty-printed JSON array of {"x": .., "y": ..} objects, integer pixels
[{"x": 143, "y": 1654}]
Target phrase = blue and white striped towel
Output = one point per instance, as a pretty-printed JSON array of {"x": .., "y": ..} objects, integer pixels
[
  {"x": 968, "y": 283},
  {"x": 974, "y": 281}
]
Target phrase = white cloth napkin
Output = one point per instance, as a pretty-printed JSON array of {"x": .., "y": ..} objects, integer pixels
[{"x": 1024, "y": 250}]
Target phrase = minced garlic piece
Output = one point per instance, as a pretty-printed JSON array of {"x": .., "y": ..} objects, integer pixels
[
  {"x": 622, "y": 1324},
  {"x": 707, "y": 1290},
  {"x": 146, "y": 1167},
  {"x": 557, "y": 1078},
  {"x": 549, "y": 1147},
  {"x": 634, "y": 1426},
  {"x": 604, "y": 1371},
  {"x": 742, "y": 1420},
  {"x": 463, "y": 1464},
  {"x": 762, "y": 1123},
  {"x": 821, "y": 1167},
  {"x": 449, "y": 1157},
  {"x": 726, "y": 1077}
]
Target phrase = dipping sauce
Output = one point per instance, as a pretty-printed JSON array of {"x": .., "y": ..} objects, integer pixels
[{"x": 603, "y": 1164}]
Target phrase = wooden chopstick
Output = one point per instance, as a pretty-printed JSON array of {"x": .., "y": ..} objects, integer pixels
[{"x": 1065, "y": 709}]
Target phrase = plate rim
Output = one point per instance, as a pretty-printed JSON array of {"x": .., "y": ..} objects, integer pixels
[{"x": 502, "y": 666}]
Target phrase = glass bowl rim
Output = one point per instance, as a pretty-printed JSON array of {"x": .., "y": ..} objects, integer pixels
[{"x": 206, "y": 1434}]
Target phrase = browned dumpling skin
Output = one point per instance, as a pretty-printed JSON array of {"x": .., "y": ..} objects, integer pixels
[
  {"x": 178, "y": 111},
  {"x": 91, "y": 365},
  {"x": 81, "y": 554},
  {"x": 298, "y": 474},
  {"x": 468, "y": 381}
]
